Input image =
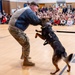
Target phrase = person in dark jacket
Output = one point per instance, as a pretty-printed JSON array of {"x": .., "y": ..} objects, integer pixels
[{"x": 18, "y": 23}]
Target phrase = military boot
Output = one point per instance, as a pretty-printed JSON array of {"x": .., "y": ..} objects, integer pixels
[{"x": 28, "y": 63}]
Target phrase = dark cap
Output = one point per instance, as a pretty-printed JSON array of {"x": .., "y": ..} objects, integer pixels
[{"x": 33, "y": 3}]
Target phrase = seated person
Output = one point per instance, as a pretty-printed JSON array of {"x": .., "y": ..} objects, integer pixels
[
  {"x": 63, "y": 21},
  {"x": 4, "y": 19},
  {"x": 70, "y": 22},
  {"x": 56, "y": 21}
]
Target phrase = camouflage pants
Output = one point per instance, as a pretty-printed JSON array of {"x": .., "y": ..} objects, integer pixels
[{"x": 22, "y": 39}]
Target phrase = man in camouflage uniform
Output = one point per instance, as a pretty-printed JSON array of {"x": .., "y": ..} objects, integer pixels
[{"x": 18, "y": 23}]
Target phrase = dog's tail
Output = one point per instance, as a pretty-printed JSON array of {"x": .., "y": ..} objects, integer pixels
[{"x": 68, "y": 58}]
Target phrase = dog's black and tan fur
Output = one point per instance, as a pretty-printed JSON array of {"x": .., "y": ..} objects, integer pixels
[{"x": 50, "y": 37}]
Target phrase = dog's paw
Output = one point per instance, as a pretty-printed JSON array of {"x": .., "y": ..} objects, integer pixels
[
  {"x": 35, "y": 36},
  {"x": 52, "y": 73},
  {"x": 36, "y": 30},
  {"x": 68, "y": 70}
]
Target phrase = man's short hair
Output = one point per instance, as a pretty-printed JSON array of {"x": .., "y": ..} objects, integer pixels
[{"x": 34, "y": 3}]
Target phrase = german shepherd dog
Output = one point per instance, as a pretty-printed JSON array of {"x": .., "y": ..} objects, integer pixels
[{"x": 51, "y": 38}]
